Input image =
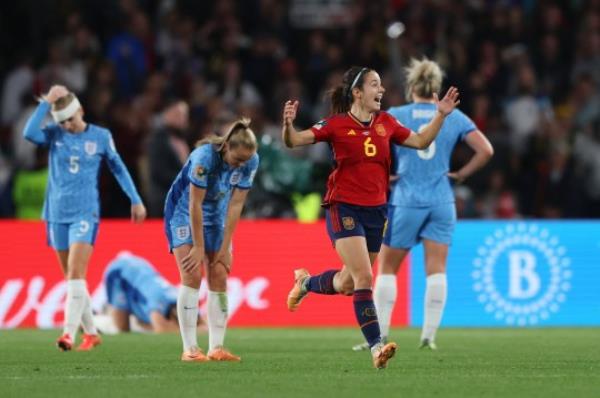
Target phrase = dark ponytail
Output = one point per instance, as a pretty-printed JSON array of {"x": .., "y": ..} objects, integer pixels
[{"x": 341, "y": 96}]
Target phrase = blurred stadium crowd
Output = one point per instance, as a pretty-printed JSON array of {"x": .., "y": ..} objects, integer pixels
[{"x": 163, "y": 73}]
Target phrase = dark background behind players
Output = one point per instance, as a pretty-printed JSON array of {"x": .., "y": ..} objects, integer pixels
[{"x": 529, "y": 75}]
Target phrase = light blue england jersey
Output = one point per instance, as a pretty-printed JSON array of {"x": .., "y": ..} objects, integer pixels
[
  {"x": 138, "y": 287},
  {"x": 206, "y": 169},
  {"x": 74, "y": 163},
  {"x": 423, "y": 174}
]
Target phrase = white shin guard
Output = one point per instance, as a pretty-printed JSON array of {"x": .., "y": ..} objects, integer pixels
[
  {"x": 435, "y": 301},
  {"x": 187, "y": 312},
  {"x": 217, "y": 318},
  {"x": 385, "y": 298}
]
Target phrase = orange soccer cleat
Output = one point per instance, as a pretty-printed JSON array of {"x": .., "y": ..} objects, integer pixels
[
  {"x": 382, "y": 354},
  {"x": 221, "y": 354},
  {"x": 89, "y": 342},
  {"x": 64, "y": 342},
  {"x": 298, "y": 292},
  {"x": 194, "y": 356}
]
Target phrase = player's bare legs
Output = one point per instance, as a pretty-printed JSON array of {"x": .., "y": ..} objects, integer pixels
[
  {"x": 63, "y": 260},
  {"x": 343, "y": 282},
  {"x": 187, "y": 306}
]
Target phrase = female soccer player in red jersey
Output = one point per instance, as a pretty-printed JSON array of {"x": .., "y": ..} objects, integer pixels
[{"x": 359, "y": 135}]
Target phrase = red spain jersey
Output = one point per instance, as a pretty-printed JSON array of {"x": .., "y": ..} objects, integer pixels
[{"x": 362, "y": 156}]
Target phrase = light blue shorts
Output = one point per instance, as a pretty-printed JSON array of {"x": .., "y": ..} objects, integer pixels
[
  {"x": 61, "y": 236},
  {"x": 182, "y": 235},
  {"x": 407, "y": 226}
]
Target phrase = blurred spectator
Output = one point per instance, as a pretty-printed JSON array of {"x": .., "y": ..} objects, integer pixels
[
  {"x": 528, "y": 72},
  {"x": 499, "y": 201},
  {"x": 167, "y": 152},
  {"x": 61, "y": 68},
  {"x": 526, "y": 110},
  {"x": 29, "y": 187},
  {"x": 232, "y": 89},
  {"x": 17, "y": 84},
  {"x": 128, "y": 54}
]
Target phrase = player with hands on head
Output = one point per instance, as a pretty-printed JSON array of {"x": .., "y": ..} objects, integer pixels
[
  {"x": 202, "y": 209},
  {"x": 72, "y": 209},
  {"x": 359, "y": 134}
]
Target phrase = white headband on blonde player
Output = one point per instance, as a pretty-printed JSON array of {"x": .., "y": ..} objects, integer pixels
[{"x": 68, "y": 112}]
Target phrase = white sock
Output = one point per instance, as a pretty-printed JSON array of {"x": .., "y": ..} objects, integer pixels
[
  {"x": 77, "y": 295},
  {"x": 435, "y": 300},
  {"x": 187, "y": 312},
  {"x": 217, "y": 318},
  {"x": 87, "y": 318},
  {"x": 385, "y": 298}
]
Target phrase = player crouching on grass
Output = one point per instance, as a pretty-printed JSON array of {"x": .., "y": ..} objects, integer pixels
[{"x": 139, "y": 298}]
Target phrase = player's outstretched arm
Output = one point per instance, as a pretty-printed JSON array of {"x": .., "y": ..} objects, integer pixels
[
  {"x": 290, "y": 136},
  {"x": 429, "y": 132}
]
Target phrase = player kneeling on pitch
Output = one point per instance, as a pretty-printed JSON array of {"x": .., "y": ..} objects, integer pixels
[{"x": 139, "y": 298}]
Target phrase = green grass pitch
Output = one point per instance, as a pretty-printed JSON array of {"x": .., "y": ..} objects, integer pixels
[{"x": 309, "y": 363}]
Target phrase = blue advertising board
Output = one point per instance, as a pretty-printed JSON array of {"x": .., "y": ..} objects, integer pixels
[{"x": 530, "y": 273}]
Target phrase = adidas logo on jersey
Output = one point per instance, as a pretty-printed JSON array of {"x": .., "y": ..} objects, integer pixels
[{"x": 351, "y": 132}]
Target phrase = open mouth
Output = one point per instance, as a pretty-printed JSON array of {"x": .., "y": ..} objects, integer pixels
[{"x": 378, "y": 99}]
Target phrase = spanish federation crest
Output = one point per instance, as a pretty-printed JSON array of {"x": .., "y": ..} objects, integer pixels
[
  {"x": 380, "y": 130},
  {"x": 90, "y": 147}
]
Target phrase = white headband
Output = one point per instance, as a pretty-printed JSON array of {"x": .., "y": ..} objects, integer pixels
[
  {"x": 357, "y": 77},
  {"x": 68, "y": 112}
]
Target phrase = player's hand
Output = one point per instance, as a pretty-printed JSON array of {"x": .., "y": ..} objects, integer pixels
[
  {"x": 223, "y": 258},
  {"x": 138, "y": 213},
  {"x": 456, "y": 177},
  {"x": 193, "y": 260},
  {"x": 55, "y": 92},
  {"x": 449, "y": 102},
  {"x": 289, "y": 113}
]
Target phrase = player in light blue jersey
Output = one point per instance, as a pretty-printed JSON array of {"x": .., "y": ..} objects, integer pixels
[
  {"x": 421, "y": 205},
  {"x": 71, "y": 208},
  {"x": 134, "y": 287},
  {"x": 202, "y": 209}
]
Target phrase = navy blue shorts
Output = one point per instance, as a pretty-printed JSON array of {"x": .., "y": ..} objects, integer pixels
[{"x": 344, "y": 220}]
